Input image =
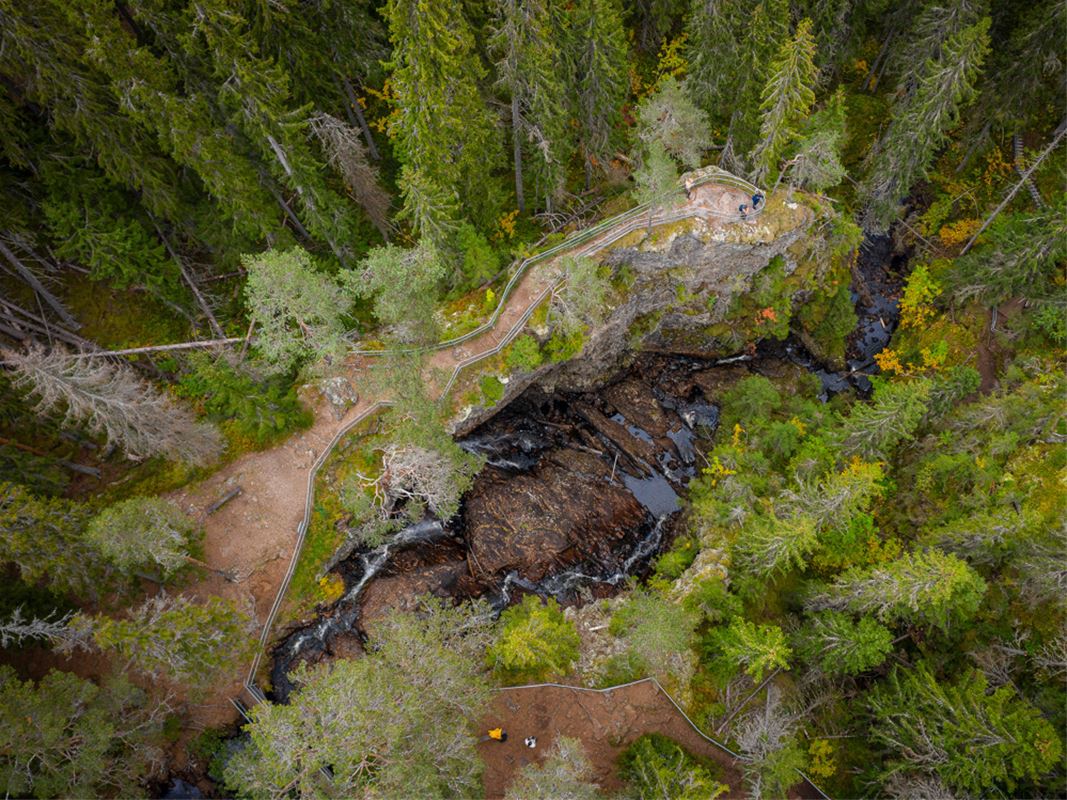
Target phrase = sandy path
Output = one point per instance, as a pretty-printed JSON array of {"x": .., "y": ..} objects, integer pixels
[
  {"x": 604, "y": 722},
  {"x": 254, "y": 534}
]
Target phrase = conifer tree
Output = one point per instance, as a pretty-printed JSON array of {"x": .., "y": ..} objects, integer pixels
[
  {"x": 298, "y": 309},
  {"x": 837, "y": 645},
  {"x": 565, "y": 774},
  {"x": 441, "y": 129},
  {"x": 655, "y": 178},
  {"x": 670, "y": 118},
  {"x": 788, "y": 96},
  {"x": 175, "y": 637},
  {"x": 143, "y": 533},
  {"x": 404, "y": 284},
  {"x": 536, "y": 641},
  {"x": 596, "y": 50},
  {"x": 767, "y": 29},
  {"x": 926, "y": 588},
  {"x": 110, "y": 399},
  {"x": 714, "y": 37},
  {"x": 64, "y": 736},
  {"x": 527, "y": 66},
  {"x": 978, "y": 740},
  {"x": 756, "y": 649},
  {"x": 872, "y": 431},
  {"x": 45, "y": 539},
  {"x": 817, "y": 165},
  {"x": 920, "y": 123},
  {"x": 423, "y": 675}
]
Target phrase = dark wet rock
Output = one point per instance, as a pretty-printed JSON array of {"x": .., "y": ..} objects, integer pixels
[
  {"x": 636, "y": 402},
  {"x": 641, "y": 453},
  {"x": 561, "y": 512}
]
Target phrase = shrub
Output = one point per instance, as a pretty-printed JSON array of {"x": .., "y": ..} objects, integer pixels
[
  {"x": 255, "y": 411},
  {"x": 524, "y": 355},
  {"x": 535, "y": 641},
  {"x": 492, "y": 389},
  {"x": 656, "y": 767}
]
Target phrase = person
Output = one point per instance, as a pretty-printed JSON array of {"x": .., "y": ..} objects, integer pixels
[
  {"x": 743, "y": 210},
  {"x": 530, "y": 741},
  {"x": 757, "y": 198},
  {"x": 498, "y": 734}
]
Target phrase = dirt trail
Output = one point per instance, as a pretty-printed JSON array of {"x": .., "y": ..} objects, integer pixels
[
  {"x": 604, "y": 722},
  {"x": 254, "y": 534}
]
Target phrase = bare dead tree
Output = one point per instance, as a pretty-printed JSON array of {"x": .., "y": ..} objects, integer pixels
[
  {"x": 109, "y": 398},
  {"x": 347, "y": 154},
  {"x": 415, "y": 474},
  {"x": 53, "y": 628}
]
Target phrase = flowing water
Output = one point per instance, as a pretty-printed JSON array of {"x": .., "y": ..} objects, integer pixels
[{"x": 579, "y": 492}]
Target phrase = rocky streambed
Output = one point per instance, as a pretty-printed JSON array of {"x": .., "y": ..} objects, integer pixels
[{"x": 580, "y": 490}]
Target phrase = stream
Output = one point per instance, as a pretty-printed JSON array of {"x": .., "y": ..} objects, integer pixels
[{"x": 580, "y": 491}]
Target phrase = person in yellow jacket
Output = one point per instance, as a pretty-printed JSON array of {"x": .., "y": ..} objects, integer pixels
[{"x": 498, "y": 734}]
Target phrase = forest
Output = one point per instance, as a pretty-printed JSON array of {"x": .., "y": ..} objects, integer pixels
[{"x": 277, "y": 275}]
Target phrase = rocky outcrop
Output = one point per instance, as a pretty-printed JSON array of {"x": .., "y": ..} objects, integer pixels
[{"x": 678, "y": 282}]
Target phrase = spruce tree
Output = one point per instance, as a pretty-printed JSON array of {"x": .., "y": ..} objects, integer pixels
[
  {"x": 817, "y": 164},
  {"x": 979, "y": 740},
  {"x": 45, "y": 539},
  {"x": 924, "y": 588},
  {"x": 788, "y": 97},
  {"x": 921, "y": 122},
  {"x": 668, "y": 117},
  {"x": 596, "y": 50},
  {"x": 527, "y": 68},
  {"x": 715, "y": 32},
  {"x": 404, "y": 283},
  {"x": 442, "y": 131}
]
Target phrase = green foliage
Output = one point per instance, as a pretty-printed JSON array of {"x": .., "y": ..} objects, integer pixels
[
  {"x": 479, "y": 261},
  {"x": 441, "y": 129},
  {"x": 404, "y": 285},
  {"x": 421, "y": 676},
  {"x": 675, "y": 561},
  {"x": 44, "y": 537},
  {"x": 817, "y": 165},
  {"x": 143, "y": 533},
  {"x": 744, "y": 645},
  {"x": 787, "y": 98},
  {"x": 656, "y": 767},
  {"x": 176, "y": 637},
  {"x": 68, "y": 737},
  {"x": 297, "y": 308},
  {"x": 669, "y": 119},
  {"x": 492, "y": 389},
  {"x": 928, "y": 588},
  {"x": 657, "y": 634},
  {"x": 976, "y": 740},
  {"x": 752, "y": 397},
  {"x": 524, "y": 354},
  {"x": 921, "y": 121},
  {"x": 837, "y": 645},
  {"x": 535, "y": 642},
  {"x": 873, "y": 431},
  {"x": 257, "y": 411},
  {"x": 565, "y": 773},
  {"x": 656, "y": 177}
]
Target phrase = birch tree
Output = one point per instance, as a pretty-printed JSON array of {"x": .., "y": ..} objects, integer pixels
[{"x": 109, "y": 399}]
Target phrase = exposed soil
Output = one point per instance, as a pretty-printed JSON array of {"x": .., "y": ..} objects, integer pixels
[{"x": 605, "y": 722}]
